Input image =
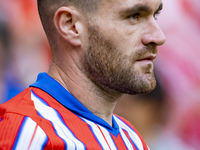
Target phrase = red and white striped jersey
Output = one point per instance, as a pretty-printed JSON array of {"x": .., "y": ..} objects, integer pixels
[{"x": 46, "y": 116}]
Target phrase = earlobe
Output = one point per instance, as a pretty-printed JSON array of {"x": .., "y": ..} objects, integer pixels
[{"x": 65, "y": 21}]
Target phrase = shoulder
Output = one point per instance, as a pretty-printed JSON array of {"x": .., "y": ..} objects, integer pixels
[
  {"x": 17, "y": 115},
  {"x": 20, "y": 102},
  {"x": 20, "y": 132},
  {"x": 20, "y": 109},
  {"x": 21, "y": 125}
]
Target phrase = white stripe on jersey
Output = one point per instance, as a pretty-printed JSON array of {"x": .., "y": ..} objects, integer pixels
[
  {"x": 26, "y": 134},
  {"x": 97, "y": 133},
  {"x": 72, "y": 143},
  {"x": 39, "y": 140},
  {"x": 125, "y": 139},
  {"x": 108, "y": 138},
  {"x": 101, "y": 137},
  {"x": 133, "y": 135}
]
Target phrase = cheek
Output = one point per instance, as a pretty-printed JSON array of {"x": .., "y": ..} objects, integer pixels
[{"x": 128, "y": 41}]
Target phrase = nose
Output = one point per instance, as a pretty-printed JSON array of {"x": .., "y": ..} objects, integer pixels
[{"x": 153, "y": 34}]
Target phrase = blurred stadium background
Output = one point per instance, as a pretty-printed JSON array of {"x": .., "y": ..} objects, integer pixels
[{"x": 24, "y": 52}]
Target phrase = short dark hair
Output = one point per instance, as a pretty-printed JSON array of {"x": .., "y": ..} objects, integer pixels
[{"x": 84, "y": 5}]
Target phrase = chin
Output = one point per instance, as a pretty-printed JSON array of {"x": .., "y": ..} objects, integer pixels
[
  {"x": 148, "y": 87},
  {"x": 144, "y": 85}
]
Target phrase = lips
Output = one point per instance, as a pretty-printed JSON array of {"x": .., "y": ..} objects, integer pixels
[{"x": 150, "y": 57}]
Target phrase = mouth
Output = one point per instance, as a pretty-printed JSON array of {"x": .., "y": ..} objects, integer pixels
[{"x": 148, "y": 58}]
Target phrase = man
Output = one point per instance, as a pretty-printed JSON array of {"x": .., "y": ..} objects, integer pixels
[{"x": 100, "y": 49}]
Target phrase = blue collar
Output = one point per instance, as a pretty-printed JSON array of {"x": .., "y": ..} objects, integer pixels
[{"x": 58, "y": 92}]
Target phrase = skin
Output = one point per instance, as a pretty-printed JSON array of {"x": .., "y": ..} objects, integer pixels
[{"x": 100, "y": 56}]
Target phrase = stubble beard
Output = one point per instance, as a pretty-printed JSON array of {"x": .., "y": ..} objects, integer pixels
[{"x": 107, "y": 66}]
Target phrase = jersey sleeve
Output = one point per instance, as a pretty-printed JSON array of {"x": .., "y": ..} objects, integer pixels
[{"x": 20, "y": 132}]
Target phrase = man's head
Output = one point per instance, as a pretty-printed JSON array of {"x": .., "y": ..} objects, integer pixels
[{"x": 115, "y": 41}]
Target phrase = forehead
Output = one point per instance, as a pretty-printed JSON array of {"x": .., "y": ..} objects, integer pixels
[{"x": 108, "y": 6}]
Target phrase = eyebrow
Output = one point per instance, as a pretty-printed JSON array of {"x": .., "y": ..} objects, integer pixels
[{"x": 140, "y": 8}]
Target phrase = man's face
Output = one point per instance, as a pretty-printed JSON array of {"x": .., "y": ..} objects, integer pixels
[{"x": 123, "y": 37}]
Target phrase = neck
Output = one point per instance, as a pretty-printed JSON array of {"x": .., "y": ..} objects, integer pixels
[{"x": 99, "y": 101}]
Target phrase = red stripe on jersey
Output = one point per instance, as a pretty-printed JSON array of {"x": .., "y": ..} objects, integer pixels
[
  {"x": 130, "y": 140},
  {"x": 33, "y": 136},
  {"x": 10, "y": 125},
  {"x": 104, "y": 136},
  {"x": 119, "y": 142},
  {"x": 78, "y": 127},
  {"x": 48, "y": 146}
]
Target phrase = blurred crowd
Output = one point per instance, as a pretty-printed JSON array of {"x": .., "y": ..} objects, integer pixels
[
  {"x": 24, "y": 50},
  {"x": 167, "y": 118}
]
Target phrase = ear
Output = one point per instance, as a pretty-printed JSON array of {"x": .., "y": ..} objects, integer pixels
[{"x": 68, "y": 25}]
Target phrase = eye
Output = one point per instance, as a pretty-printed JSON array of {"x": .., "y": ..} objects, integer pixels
[{"x": 134, "y": 18}]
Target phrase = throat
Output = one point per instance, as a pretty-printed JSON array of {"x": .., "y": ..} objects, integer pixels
[{"x": 102, "y": 106}]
